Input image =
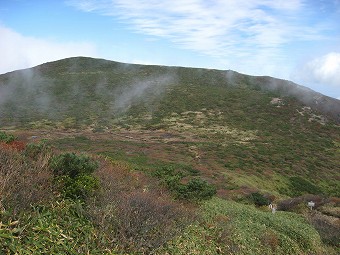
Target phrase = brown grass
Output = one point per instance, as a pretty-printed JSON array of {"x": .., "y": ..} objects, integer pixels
[
  {"x": 23, "y": 181},
  {"x": 135, "y": 215}
]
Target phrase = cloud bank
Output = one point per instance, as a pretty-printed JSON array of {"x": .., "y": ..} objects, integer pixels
[
  {"x": 323, "y": 70},
  {"x": 18, "y": 51}
]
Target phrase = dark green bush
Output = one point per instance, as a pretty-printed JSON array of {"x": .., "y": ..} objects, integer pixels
[
  {"x": 79, "y": 187},
  {"x": 258, "y": 199},
  {"x": 6, "y": 138},
  {"x": 194, "y": 189},
  {"x": 72, "y": 165},
  {"x": 197, "y": 189},
  {"x": 73, "y": 175},
  {"x": 164, "y": 172}
]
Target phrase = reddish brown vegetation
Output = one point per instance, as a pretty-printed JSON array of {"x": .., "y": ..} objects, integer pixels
[
  {"x": 16, "y": 145},
  {"x": 23, "y": 181},
  {"x": 135, "y": 214}
]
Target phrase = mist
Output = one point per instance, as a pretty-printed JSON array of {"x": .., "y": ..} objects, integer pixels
[
  {"x": 143, "y": 91},
  {"x": 79, "y": 88}
]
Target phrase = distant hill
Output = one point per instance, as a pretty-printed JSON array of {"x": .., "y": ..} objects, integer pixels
[
  {"x": 238, "y": 130},
  {"x": 106, "y": 88}
]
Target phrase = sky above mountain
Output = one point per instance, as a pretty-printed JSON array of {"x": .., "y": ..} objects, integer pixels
[{"x": 297, "y": 40}]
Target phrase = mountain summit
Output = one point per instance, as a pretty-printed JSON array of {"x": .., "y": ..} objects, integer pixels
[{"x": 85, "y": 88}]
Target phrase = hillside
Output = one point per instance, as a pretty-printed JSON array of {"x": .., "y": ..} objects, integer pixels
[
  {"x": 227, "y": 125},
  {"x": 106, "y": 88},
  {"x": 188, "y": 133}
]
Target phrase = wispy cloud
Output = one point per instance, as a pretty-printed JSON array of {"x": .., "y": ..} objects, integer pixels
[
  {"x": 253, "y": 36},
  {"x": 217, "y": 28},
  {"x": 18, "y": 51}
]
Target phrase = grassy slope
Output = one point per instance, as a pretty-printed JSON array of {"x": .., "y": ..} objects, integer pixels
[
  {"x": 225, "y": 122},
  {"x": 148, "y": 117},
  {"x": 44, "y": 222},
  {"x": 233, "y": 228}
]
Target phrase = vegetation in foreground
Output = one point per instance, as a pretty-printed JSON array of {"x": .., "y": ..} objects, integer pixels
[{"x": 130, "y": 212}]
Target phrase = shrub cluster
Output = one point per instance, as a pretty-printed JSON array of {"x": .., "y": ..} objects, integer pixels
[
  {"x": 194, "y": 189},
  {"x": 6, "y": 138},
  {"x": 329, "y": 231},
  {"x": 258, "y": 199},
  {"x": 73, "y": 174}
]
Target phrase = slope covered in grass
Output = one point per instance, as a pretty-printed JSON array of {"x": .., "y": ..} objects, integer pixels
[
  {"x": 166, "y": 138},
  {"x": 130, "y": 213},
  {"x": 233, "y": 228},
  {"x": 236, "y": 130}
]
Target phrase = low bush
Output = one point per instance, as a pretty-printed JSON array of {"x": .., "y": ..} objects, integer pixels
[
  {"x": 6, "y": 138},
  {"x": 258, "y": 199},
  {"x": 194, "y": 189},
  {"x": 72, "y": 165},
  {"x": 80, "y": 187},
  {"x": 73, "y": 175}
]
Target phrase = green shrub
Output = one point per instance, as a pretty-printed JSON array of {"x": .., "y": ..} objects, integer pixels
[
  {"x": 72, "y": 165},
  {"x": 6, "y": 138},
  {"x": 34, "y": 150},
  {"x": 164, "y": 172},
  {"x": 73, "y": 175},
  {"x": 196, "y": 189},
  {"x": 79, "y": 187},
  {"x": 258, "y": 199}
]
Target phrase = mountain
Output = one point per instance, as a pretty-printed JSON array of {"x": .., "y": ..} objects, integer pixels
[
  {"x": 112, "y": 158},
  {"x": 107, "y": 88},
  {"x": 238, "y": 131}
]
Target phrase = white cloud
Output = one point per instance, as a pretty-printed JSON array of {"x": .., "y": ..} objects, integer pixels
[
  {"x": 323, "y": 70},
  {"x": 216, "y": 28},
  {"x": 249, "y": 36},
  {"x": 18, "y": 51}
]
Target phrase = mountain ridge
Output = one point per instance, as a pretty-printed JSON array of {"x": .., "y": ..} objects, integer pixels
[{"x": 318, "y": 102}]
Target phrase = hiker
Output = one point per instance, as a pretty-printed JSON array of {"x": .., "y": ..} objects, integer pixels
[{"x": 272, "y": 207}]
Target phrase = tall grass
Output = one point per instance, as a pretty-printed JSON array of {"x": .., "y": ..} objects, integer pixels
[{"x": 23, "y": 180}]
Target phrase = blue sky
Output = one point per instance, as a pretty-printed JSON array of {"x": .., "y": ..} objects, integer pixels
[{"x": 297, "y": 40}]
